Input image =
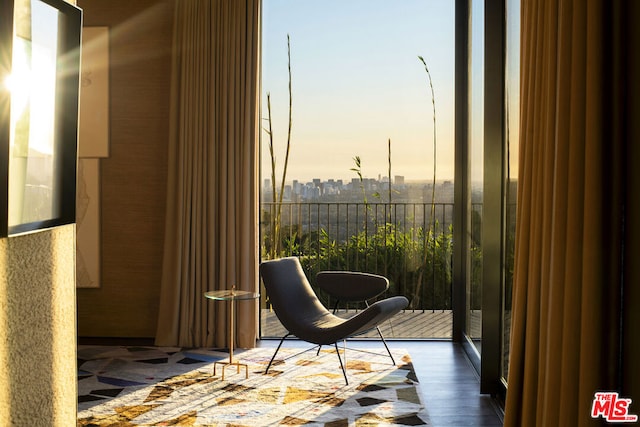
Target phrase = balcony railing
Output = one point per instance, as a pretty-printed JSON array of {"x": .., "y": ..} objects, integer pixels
[{"x": 409, "y": 243}]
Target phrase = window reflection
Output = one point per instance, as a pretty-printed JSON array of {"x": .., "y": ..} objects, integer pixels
[
  {"x": 32, "y": 166},
  {"x": 474, "y": 294}
]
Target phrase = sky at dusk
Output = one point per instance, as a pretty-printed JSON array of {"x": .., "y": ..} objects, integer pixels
[{"x": 357, "y": 82}]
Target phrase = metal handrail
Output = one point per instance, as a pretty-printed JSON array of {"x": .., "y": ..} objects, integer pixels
[{"x": 371, "y": 237}]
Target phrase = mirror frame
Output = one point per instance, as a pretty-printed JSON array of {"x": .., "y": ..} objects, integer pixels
[{"x": 65, "y": 141}]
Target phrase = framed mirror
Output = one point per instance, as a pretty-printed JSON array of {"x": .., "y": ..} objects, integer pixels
[{"x": 39, "y": 72}]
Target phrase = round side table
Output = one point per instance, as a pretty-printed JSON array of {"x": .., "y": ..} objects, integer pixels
[{"x": 231, "y": 296}]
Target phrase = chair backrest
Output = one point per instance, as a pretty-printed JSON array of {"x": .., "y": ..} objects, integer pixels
[
  {"x": 351, "y": 286},
  {"x": 290, "y": 294}
]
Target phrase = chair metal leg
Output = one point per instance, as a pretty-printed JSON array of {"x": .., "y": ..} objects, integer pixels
[
  {"x": 276, "y": 352},
  {"x": 385, "y": 345},
  {"x": 344, "y": 372},
  {"x": 383, "y": 340}
]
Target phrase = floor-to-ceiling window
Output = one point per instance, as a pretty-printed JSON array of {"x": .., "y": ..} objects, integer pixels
[
  {"x": 349, "y": 147},
  {"x": 358, "y": 105}
]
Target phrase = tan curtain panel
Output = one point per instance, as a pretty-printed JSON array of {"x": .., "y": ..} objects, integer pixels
[
  {"x": 631, "y": 291},
  {"x": 211, "y": 237},
  {"x": 566, "y": 327}
]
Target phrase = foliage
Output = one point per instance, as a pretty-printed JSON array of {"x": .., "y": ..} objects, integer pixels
[{"x": 403, "y": 256}]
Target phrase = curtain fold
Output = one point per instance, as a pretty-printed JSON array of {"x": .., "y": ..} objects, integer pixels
[
  {"x": 566, "y": 324},
  {"x": 211, "y": 233}
]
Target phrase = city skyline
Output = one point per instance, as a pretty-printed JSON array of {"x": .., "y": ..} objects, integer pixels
[
  {"x": 381, "y": 178},
  {"x": 354, "y": 190}
]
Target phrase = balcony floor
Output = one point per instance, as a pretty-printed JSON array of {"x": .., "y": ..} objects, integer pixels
[{"x": 408, "y": 324}]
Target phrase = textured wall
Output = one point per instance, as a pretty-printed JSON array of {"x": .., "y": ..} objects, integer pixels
[
  {"x": 133, "y": 177},
  {"x": 37, "y": 329}
]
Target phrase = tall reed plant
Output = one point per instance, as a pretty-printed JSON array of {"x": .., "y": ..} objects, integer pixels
[
  {"x": 276, "y": 220},
  {"x": 430, "y": 233}
]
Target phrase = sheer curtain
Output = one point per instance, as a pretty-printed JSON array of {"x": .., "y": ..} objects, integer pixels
[
  {"x": 567, "y": 326},
  {"x": 211, "y": 236}
]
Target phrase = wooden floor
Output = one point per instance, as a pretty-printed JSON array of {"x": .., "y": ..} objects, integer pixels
[{"x": 449, "y": 385}]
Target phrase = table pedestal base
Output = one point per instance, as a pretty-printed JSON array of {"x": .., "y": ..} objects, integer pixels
[
  {"x": 231, "y": 363},
  {"x": 231, "y": 296}
]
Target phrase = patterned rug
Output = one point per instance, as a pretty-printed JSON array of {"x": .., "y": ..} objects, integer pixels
[{"x": 151, "y": 386}]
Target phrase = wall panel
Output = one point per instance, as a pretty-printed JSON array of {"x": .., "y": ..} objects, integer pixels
[{"x": 133, "y": 177}]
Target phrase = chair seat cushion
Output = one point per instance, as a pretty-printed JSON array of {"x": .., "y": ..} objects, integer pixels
[{"x": 327, "y": 328}]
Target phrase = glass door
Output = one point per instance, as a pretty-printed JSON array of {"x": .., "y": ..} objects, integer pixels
[{"x": 476, "y": 144}]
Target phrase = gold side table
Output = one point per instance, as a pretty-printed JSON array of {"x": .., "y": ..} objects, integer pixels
[{"x": 231, "y": 296}]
